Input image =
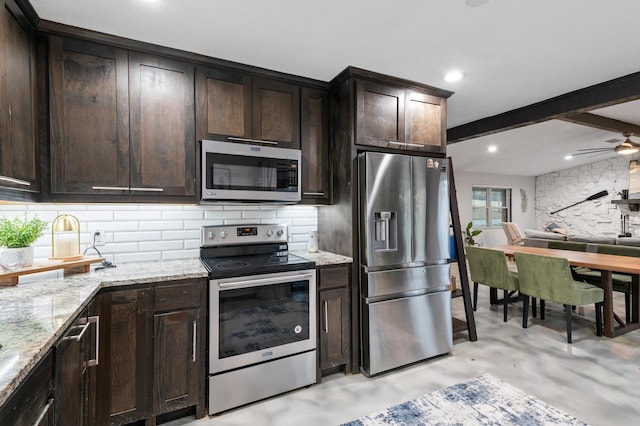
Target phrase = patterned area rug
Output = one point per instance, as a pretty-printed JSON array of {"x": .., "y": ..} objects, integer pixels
[{"x": 484, "y": 400}]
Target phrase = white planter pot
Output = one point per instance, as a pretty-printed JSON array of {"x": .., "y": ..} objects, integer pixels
[{"x": 12, "y": 259}]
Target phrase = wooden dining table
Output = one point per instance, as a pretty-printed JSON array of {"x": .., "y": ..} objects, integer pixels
[{"x": 606, "y": 263}]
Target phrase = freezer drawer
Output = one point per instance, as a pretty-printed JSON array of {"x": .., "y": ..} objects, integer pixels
[
  {"x": 392, "y": 282},
  {"x": 401, "y": 331}
]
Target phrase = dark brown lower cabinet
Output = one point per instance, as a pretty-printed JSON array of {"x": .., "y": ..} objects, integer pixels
[
  {"x": 334, "y": 335},
  {"x": 32, "y": 403},
  {"x": 151, "y": 352},
  {"x": 74, "y": 357},
  {"x": 179, "y": 349}
]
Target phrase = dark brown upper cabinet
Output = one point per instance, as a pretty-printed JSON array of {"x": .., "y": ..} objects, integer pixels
[
  {"x": 18, "y": 132},
  {"x": 314, "y": 123},
  {"x": 399, "y": 118},
  {"x": 380, "y": 115},
  {"x": 237, "y": 107},
  {"x": 122, "y": 123},
  {"x": 162, "y": 132}
]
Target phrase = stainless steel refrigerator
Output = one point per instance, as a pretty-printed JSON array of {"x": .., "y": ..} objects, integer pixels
[{"x": 404, "y": 277}]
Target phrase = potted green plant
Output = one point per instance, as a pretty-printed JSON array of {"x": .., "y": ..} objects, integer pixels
[
  {"x": 17, "y": 235},
  {"x": 469, "y": 234}
]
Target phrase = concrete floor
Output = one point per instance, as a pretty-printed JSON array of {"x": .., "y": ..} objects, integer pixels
[{"x": 594, "y": 379}]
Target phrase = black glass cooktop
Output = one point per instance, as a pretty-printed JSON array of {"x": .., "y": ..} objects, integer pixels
[{"x": 237, "y": 266}]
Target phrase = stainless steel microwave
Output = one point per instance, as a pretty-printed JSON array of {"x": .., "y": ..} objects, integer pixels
[{"x": 243, "y": 172}]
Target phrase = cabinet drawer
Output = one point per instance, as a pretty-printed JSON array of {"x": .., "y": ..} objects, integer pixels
[
  {"x": 177, "y": 296},
  {"x": 333, "y": 277}
]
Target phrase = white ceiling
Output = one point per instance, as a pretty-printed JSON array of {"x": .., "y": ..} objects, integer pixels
[{"x": 513, "y": 52}]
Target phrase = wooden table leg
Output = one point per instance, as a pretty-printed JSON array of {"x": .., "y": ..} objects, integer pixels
[
  {"x": 635, "y": 298},
  {"x": 607, "y": 305}
]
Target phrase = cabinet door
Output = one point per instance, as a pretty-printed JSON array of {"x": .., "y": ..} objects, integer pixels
[
  {"x": 32, "y": 403},
  {"x": 180, "y": 347},
  {"x": 380, "y": 119},
  {"x": 176, "y": 360},
  {"x": 314, "y": 144},
  {"x": 276, "y": 112},
  {"x": 334, "y": 327},
  {"x": 18, "y": 142},
  {"x": 223, "y": 105},
  {"x": 425, "y": 122},
  {"x": 71, "y": 376},
  {"x": 125, "y": 370},
  {"x": 89, "y": 104},
  {"x": 162, "y": 126}
]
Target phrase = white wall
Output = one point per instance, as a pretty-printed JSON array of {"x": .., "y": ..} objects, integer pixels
[
  {"x": 142, "y": 232},
  {"x": 592, "y": 218},
  {"x": 522, "y": 210}
]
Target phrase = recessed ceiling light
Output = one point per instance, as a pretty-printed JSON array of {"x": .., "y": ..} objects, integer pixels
[
  {"x": 454, "y": 75},
  {"x": 492, "y": 148},
  {"x": 568, "y": 157}
]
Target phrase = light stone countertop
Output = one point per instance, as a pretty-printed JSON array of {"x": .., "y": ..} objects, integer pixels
[
  {"x": 34, "y": 315},
  {"x": 323, "y": 258}
]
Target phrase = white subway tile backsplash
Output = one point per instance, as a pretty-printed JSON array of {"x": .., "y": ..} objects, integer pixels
[
  {"x": 160, "y": 245},
  {"x": 161, "y": 225},
  {"x": 192, "y": 244},
  {"x": 259, "y": 214},
  {"x": 137, "y": 215},
  {"x": 182, "y": 254},
  {"x": 181, "y": 235},
  {"x": 223, "y": 214},
  {"x": 137, "y": 236},
  {"x": 182, "y": 215},
  {"x": 147, "y": 232},
  {"x": 136, "y": 257}
]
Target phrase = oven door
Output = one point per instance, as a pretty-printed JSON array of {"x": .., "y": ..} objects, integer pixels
[
  {"x": 235, "y": 171},
  {"x": 261, "y": 317}
]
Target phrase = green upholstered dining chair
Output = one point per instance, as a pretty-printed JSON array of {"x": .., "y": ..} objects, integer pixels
[
  {"x": 489, "y": 267},
  {"x": 549, "y": 279}
]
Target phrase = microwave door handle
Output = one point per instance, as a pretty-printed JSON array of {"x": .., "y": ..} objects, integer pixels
[
  {"x": 232, "y": 138},
  {"x": 262, "y": 281}
]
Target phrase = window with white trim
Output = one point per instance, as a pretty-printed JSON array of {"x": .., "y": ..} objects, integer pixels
[{"x": 490, "y": 206}]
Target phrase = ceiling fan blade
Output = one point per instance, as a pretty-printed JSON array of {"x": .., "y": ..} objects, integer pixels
[
  {"x": 593, "y": 152},
  {"x": 595, "y": 149}
]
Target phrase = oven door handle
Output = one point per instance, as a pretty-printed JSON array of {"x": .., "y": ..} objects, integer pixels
[{"x": 263, "y": 281}]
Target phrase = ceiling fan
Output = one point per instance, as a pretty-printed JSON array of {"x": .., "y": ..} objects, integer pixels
[{"x": 625, "y": 148}]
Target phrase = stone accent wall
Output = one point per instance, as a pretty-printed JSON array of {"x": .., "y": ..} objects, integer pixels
[{"x": 591, "y": 218}]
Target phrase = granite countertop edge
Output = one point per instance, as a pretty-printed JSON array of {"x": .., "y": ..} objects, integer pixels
[{"x": 34, "y": 303}]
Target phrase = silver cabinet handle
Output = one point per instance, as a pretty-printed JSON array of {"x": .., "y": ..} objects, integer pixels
[
  {"x": 78, "y": 336},
  {"x": 96, "y": 320},
  {"x": 326, "y": 316},
  {"x": 110, "y": 188},
  {"x": 44, "y": 412},
  {"x": 147, "y": 189},
  {"x": 417, "y": 145},
  {"x": 14, "y": 180},
  {"x": 316, "y": 194},
  {"x": 231, "y": 138},
  {"x": 193, "y": 349}
]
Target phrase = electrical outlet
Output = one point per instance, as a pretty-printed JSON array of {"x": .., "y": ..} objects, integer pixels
[{"x": 98, "y": 237}]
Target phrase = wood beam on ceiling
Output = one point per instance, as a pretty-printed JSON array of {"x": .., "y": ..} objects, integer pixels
[
  {"x": 619, "y": 90},
  {"x": 602, "y": 123}
]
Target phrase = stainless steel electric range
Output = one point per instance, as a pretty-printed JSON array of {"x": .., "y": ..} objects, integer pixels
[{"x": 262, "y": 314}]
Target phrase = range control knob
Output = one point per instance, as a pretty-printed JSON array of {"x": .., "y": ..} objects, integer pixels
[
  {"x": 279, "y": 232},
  {"x": 223, "y": 234},
  {"x": 269, "y": 232},
  {"x": 210, "y": 235}
]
